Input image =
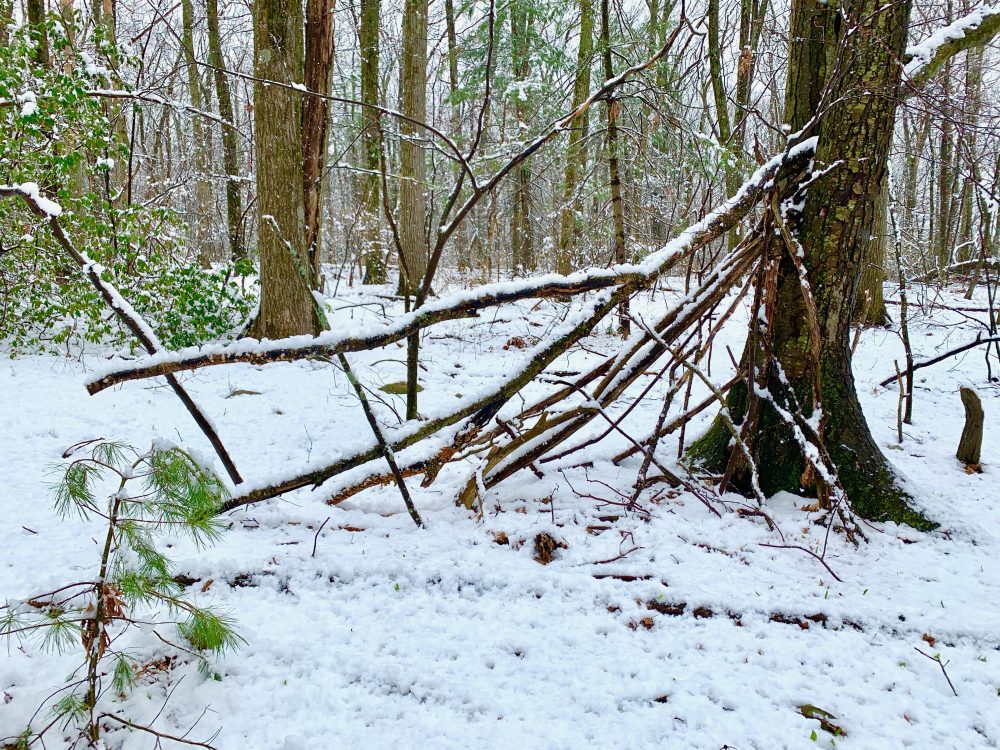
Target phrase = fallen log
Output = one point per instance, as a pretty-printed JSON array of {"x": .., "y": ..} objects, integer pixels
[{"x": 624, "y": 279}]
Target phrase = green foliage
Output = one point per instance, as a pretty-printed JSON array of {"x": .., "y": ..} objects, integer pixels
[
  {"x": 209, "y": 631},
  {"x": 397, "y": 388},
  {"x": 70, "y": 707},
  {"x": 60, "y": 137},
  {"x": 162, "y": 491}
]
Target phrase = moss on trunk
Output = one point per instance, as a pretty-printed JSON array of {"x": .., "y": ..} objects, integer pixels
[{"x": 833, "y": 235}]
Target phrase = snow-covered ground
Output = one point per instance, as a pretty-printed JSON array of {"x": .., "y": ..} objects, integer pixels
[{"x": 390, "y": 636}]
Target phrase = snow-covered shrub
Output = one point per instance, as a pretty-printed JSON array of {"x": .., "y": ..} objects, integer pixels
[
  {"x": 162, "y": 491},
  {"x": 56, "y": 131}
]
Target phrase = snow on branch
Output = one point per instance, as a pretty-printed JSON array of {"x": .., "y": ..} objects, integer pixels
[
  {"x": 467, "y": 303},
  {"x": 977, "y": 28},
  {"x": 130, "y": 318}
]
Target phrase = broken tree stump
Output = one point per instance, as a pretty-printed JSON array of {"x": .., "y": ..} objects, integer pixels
[{"x": 970, "y": 446}]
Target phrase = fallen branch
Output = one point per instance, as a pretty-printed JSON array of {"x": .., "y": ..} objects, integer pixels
[
  {"x": 624, "y": 279},
  {"x": 942, "y": 664},
  {"x": 387, "y": 453},
  {"x": 979, "y": 341}
]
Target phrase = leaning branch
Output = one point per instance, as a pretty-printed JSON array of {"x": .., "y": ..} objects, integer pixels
[
  {"x": 50, "y": 211},
  {"x": 629, "y": 277},
  {"x": 941, "y": 357}
]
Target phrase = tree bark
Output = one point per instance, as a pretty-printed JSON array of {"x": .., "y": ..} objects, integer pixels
[
  {"x": 833, "y": 231},
  {"x": 614, "y": 172},
  {"x": 412, "y": 167},
  {"x": 971, "y": 107},
  {"x": 373, "y": 252},
  {"x": 971, "y": 443},
  {"x": 752, "y": 15},
  {"x": 521, "y": 223},
  {"x": 230, "y": 146},
  {"x": 871, "y": 299},
  {"x": 461, "y": 237},
  {"x": 6, "y": 19},
  {"x": 200, "y": 142},
  {"x": 576, "y": 154},
  {"x": 719, "y": 93},
  {"x": 318, "y": 66},
  {"x": 287, "y": 307},
  {"x": 36, "y": 19}
]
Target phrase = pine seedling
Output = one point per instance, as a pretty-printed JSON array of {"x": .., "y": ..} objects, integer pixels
[{"x": 161, "y": 491}]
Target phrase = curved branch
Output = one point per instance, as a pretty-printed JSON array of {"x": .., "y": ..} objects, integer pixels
[{"x": 50, "y": 210}]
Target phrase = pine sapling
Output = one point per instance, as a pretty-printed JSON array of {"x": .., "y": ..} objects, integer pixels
[{"x": 154, "y": 493}]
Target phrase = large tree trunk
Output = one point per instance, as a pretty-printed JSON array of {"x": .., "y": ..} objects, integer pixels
[
  {"x": 318, "y": 65},
  {"x": 371, "y": 236},
  {"x": 412, "y": 167},
  {"x": 413, "y": 176},
  {"x": 230, "y": 146},
  {"x": 833, "y": 231},
  {"x": 576, "y": 154},
  {"x": 287, "y": 307}
]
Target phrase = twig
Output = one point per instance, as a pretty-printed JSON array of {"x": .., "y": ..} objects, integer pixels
[
  {"x": 942, "y": 664},
  {"x": 979, "y": 341},
  {"x": 316, "y": 537},
  {"x": 809, "y": 552},
  {"x": 159, "y": 735},
  {"x": 387, "y": 453}
]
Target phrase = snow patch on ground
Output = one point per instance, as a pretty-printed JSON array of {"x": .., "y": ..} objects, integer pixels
[{"x": 395, "y": 637}]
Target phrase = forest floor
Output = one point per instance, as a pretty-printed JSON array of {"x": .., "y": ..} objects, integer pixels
[{"x": 675, "y": 629}]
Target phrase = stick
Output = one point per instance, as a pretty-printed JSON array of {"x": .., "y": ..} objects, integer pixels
[
  {"x": 316, "y": 537},
  {"x": 979, "y": 341},
  {"x": 941, "y": 664},
  {"x": 387, "y": 453}
]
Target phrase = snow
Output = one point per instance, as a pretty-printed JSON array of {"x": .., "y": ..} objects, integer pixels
[
  {"x": 33, "y": 192},
  {"x": 28, "y": 102},
  {"x": 919, "y": 55},
  {"x": 393, "y": 637}
]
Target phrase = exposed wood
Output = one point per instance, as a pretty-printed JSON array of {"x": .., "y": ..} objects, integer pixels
[{"x": 971, "y": 443}]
